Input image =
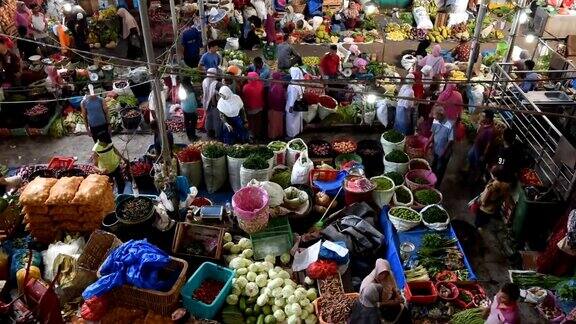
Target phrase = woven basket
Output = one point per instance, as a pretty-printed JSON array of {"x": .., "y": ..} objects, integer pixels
[
  {"x": 257, "y": 224},
  {"x": 99, "y": 245},
  {"x": 10, "y": 218},
  {"x": 163, "y": 303}
]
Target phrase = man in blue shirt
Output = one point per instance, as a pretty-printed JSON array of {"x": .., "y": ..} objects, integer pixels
[
  {"x": 191, "y": 44},
  {"x": 210, "y": 59},
  {"x": 259, "y": 67},
  {"x": 442, "y": 139},
  {"x": 531, "y": 79}
]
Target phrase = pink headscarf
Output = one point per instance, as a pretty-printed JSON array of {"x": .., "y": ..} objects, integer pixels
[
  {"x": 452, "y": 102},
  {"x": 435, "y": 61},
  {"x": 52, "y": 73},
  {"x": 436, "y": 50}
]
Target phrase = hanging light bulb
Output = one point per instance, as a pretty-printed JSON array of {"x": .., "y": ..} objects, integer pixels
[
  {"x": 371, "y": 99},
  {"x": 530, "y": 38},
  {"x": 370, "y": 8},
  {"x": 182, "y": 95},
  {"x": 67, "y": 7},
  {"x": 523, "y": 17}
]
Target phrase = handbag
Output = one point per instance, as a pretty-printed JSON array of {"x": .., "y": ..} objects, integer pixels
[{"x": 300, "y": 105}]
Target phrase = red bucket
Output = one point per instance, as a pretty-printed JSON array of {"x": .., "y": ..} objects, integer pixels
[{"x": 353, "y": 196}]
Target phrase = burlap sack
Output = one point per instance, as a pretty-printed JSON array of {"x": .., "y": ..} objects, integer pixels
[{"x": 37, "y": 191}]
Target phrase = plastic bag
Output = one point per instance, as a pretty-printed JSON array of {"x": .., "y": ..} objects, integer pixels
[
  {"x": 215, "y": 172},
  {"x": 275, "y": 193},
  {"x": 301, "y": 169},
  {"x": 457, "y": 18},
  {"x": 422, "y": 18},
  {"x": 322, "y": 269},
  {"x": 408, "y": 61},
  {"x": 328, "y": 254},
  {"x": 382, "y": 112},
  {"x": 311, "y": 113},
  {"x": 73, "y": 249}
]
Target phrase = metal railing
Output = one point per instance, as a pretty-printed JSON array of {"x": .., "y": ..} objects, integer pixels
[{"x": 536, "y": 131}]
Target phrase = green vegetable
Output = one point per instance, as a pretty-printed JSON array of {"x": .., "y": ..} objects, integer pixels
[
  {"x": 57, "y": 129},
  {"x": 277, "y": 146},
  {"x": 393, "y": 136},
  {"x": 567, "y": 289},
  {"x": 420, "y": 180},
  {"x": 264, "y": 152},
  {"x": 255, "y": 162},
  {"x": 469, "y": 316},
  {"x": 127, "y": 100},
  {"x": 436, "y": 241},
  {"x": 397, "y": 156},
  {"x": 405, "y": 213},
  {"x": 239, "y": 151},
  {"x": 282, "y": 177},
  {"x": 406, "y": 17},
  {"x": 396, "y": 177},
  {"x": 427, "y": 197},
  {"x": 528, "y": 279},
  {"x": 297, "y": 145},
  {"x": 402, "y": 195},
  {"x": 214, "y": 151},
  {"x": 434, "y": 214},
  {"x": 382, "y": 183},
  {"x": 3, "y": 170}
]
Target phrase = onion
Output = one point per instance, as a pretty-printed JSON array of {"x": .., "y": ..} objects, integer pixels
[{"x": 322, "y": 199}]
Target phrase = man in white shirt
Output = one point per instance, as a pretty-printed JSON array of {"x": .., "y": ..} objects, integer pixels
[{"x": 39, "y": 26}]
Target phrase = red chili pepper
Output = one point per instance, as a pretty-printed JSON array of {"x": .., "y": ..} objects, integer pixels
[
  {"x": 140, "y": 168},
  {"x": 189, "y": 155},
  {"x": 208, "y": 291}
]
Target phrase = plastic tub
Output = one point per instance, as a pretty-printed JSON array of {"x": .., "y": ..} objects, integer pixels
[
  {"x": 275, "y": 240},
  {"x": 318, "y": 310},
  {"x": 429, "y": 176},
  {"x": 420, "y": 292},
  {"x": 207, "y": 270},
  {"x": 449, "y": 285},
  {"x": 130, "y": 123}
]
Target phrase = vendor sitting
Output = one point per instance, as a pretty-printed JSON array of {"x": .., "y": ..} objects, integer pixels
[
  {"x": 352, "y": 15},
  {"x": 330, "y": 63},
  {"x": 530, "y": 81},
  {"x": 337, "y": 24},
  {"x": 10, "y": 62},
  {"x": 378, "y": 296}
]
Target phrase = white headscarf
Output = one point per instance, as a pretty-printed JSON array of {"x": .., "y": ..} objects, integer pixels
[
  {"x": 294, "y": 92},
  {"x": 406, "y": 91},
  {"x": 229, "y": 104},
  {"x": 296, "y": 74},
  {"x": 370, "y": 290},
  {"x": 209, "y": 86},
  {"x": 128, "y": 22}
]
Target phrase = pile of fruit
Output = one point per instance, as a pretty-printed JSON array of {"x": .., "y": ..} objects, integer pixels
[
  {"x": 236, "y": 55},
  {"x": 457, "y": 75},
  {"x": 417, "y": 33},
  {"x": 430, "y": 6},
  {"x": 460, "y": 30},
  {"x": 311, "y": 60},
  {"x": 439, "y": 34},
  {"x": 396, "y": 32},
  {"x": 322, "y": 36}
]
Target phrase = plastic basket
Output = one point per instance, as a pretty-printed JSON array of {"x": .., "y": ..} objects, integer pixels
[
  {"x": 208, "y": 236},
  {"x": 275, "y": 240},
  {"x": 329, "y": 181},
  {"x": 95, "y": 252},
  {"x": 431, "y": 294},
  {"x": 207, "y": 270},
  {"x": 318, "y": 310},
  {"x": 163, "y": 303},
  {"x": 61, "y": 162},
  {"x": 428, "y": 175},
  {"x": 449, "y": 285}
]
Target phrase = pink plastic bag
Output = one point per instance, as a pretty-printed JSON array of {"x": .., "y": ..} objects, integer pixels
[{"x": 249, "y": 201}]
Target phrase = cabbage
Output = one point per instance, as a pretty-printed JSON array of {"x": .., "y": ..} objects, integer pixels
[
  {"x": 238, "y": 262},
  {"x": 241, "y": 271},
  {"x": 228, "y": 246},
  {"x": 245, "y": 243},
  {"x": 292, "y": 299},
  {"x": 279, "y": 315},
  {"x": 227, "y": 237},
  {"x": 235, "y": 249},
  {"x": 248, "y": 253},
  {"x": 277, "y": 292},
  {"x": 232, "y": 299},
  {"x": 251, "y": 289},
  {"x": 261, "y": 280},
  {"x": 251, "y": 276},
  {"x": 284, "y": 274},
  {"x": 309, "y": 308},
  {"x": 296, "y": 309},
  {"x": 275, "y": 192},
  {"x": 289, "y": 282},
  {"x": 278, "y": 282},
  {"x": 304, "y": 302},
  {"x": 300, "y": 294},
  {"x": 304, "y": 314},
  {"x": 308, "y": 281},
  {"x": 272, "y": 274},
  {"x": 241, "y": 281},
  {"x": 311, "y": 319},
  {"x": 269, "y": 319},
  {"x": 279, "y": 301},
  {"x": 276, "y": 308},
  {"x": 285, "y": 258},
  {"x": 287, "y": 291},
  {"x": 311, "y": 294},
  {"x": 253, "y": 267},
  {"x": 268, "y": 265},
  {"x": 262, "y": 300},
  {"x": 236, "y": 290},
  {"x": 294, "y": 319},
  {"x": 270, "y": 258}
]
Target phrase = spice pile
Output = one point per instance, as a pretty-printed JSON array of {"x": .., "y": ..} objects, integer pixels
[
  {"x": 67, "y": 204},
  {"x": 208, "y": 291}
]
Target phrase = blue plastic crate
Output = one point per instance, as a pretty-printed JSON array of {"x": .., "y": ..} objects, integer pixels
[{"x": 207, "y": 270}]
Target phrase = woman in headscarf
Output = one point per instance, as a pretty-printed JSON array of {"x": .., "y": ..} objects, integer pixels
[
  {"x": 213, "y": 125},
  {"x": 451, "y": 100},
  {"x": 130, "y": 34},
  {"x": 404, "y": 106},
  {"x": 435, "y": 61},
  {"x": 421, "y": 49},
  {"x": 276, "y": 104},
  {"x": 23, "y": 16},
  {"x": 377, "y": 289},
  {"x": 233, "y": 117},
  {"x": 294, "y": 119},
  {"x": 253, "y": 97}
]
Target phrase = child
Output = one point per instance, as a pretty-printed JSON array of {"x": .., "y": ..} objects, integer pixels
[
  {"x": 504, "y": 308},
  {"x": 108, "y": 160},
  {"x": 490, "y": 200}
]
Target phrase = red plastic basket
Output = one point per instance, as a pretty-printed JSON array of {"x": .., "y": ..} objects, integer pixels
[
  {"x": 201, "y": 118},
  {"x": 61, "y": 163},
  {"x": 322, "y": 175},
  {"x": 429, "y": 297}
]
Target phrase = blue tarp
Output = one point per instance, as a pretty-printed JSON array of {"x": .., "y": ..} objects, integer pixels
[{"x": 394, "y": 238}]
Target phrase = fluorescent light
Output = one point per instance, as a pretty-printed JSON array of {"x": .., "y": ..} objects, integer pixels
[
  {"x": 182, "y": 95},
  {"x": 371, "y": 99},
  {"x": 530, "y": 38}
]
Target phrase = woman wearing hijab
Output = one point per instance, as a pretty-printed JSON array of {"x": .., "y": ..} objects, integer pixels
[
  {"x": 213, "y": 125},
  {"x": 294, "y": 119},
  {"x": 451, "y": 100},
  {"x": 404, "y": 106},
  {"x": 130, "y": 33},
  {"x": 421, "y": 49},
  {"x": 276, "y": 104},
  {"x": 233, "y": 117},
  {"x": 23, "y": 16},
  {"x": 378, "y": 289},
  {"x": 435, "y": 61},
  {"x": 253, "y": 96}
]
